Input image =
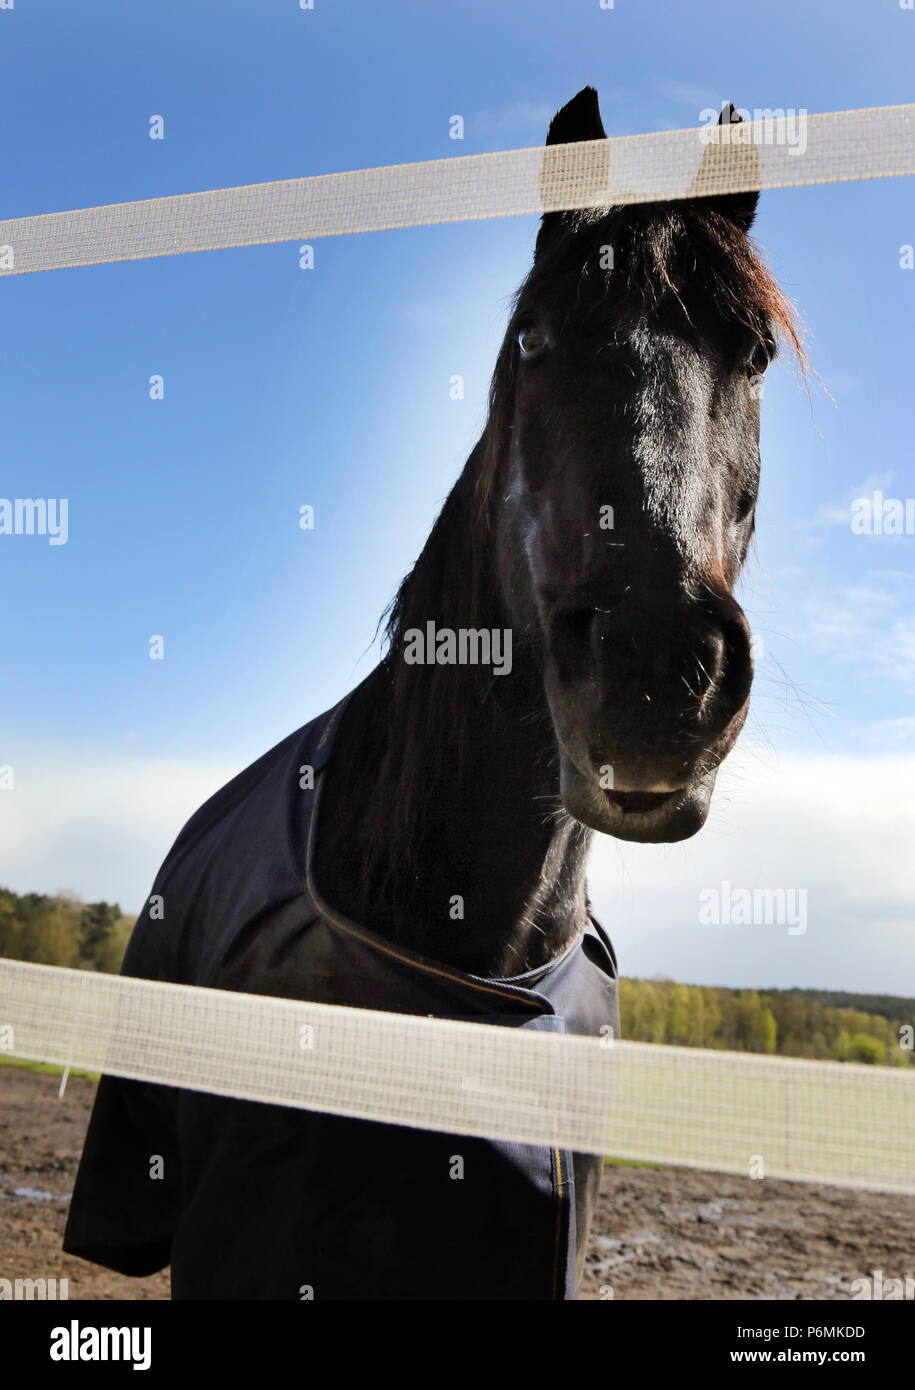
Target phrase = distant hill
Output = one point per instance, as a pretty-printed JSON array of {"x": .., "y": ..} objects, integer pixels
[
  {"x": 891, "y": 1006},
  {"x": 825, "y": 1024}
]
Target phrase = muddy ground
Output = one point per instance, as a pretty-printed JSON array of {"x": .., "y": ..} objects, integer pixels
[{"x": 660, "y": 1233}]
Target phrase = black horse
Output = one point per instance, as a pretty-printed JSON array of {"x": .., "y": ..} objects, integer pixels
[{"x": 595, "y": 534}]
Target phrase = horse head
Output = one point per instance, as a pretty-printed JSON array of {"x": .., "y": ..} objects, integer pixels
[{"x": 623, "y": 469}]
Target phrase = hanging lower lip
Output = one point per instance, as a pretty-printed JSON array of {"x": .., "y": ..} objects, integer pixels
[{"x": 640, "y": 803}]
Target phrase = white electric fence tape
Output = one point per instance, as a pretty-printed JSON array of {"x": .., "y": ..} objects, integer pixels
[
  {"x": 734, "y": 1112},
  {"x": 771, "y": 152}
]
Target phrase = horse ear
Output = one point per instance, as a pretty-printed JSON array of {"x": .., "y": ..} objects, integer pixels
[
  {"x": 579, "y": 119},
  {"x": 729, "y": 152}
]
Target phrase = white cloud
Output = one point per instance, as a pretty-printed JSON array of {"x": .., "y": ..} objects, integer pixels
[
  {"x": 97, "y": 825},
  {"x": 891, "y": 733},
  {"x": 524, "y": 119},
  {"x": 869, "y": 625},
  {"x": 840, "y": 827}
]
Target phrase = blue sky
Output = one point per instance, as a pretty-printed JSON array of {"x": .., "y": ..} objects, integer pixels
[{"x": 329, "y": 387}]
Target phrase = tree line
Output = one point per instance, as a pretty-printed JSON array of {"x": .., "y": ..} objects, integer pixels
[
  {"x": 63, "y": 930},
  {"x": 791, "y": 1023}
]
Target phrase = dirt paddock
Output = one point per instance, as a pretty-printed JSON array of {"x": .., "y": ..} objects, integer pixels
[{"x": 660, "y": 1233}]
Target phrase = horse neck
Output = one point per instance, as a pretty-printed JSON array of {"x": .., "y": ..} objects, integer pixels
[{"x": 440, "y": 824}]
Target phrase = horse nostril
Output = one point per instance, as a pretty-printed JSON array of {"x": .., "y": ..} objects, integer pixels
[
  {"x": 575, "y": 625},
  {"x": 570, "y": 641},
  {"x": 738, "y": 661},
  {"x": 578, "y": 625},
  {"x": 578, "y": 621},
  {"x": 709, "y": 658}
]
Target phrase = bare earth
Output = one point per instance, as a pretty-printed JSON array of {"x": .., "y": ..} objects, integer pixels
[{"x": 660, "y": 1233}]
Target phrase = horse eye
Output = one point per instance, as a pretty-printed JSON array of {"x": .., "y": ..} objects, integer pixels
[
  {"x": 761, "y": 357},
  {"x": 745, "y": 507},
  {"x": 531, "y": 341}
]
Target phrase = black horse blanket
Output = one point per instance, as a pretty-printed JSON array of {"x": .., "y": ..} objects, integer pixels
[{"x": 247, "y": 1200}]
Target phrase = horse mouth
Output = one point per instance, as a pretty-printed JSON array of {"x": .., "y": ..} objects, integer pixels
[
  {"x": 645, "y": 817},
  {"x": 639, "y": 803},
  {"x": 655, "y": 817}
]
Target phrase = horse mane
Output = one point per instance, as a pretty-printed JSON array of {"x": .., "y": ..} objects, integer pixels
[{"x": 454, "y": 582}]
